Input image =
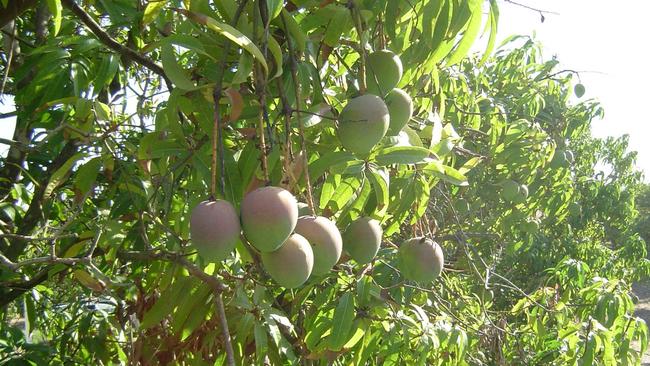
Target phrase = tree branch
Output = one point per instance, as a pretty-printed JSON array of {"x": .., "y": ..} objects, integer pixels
[
  {"x": 113, "y": 44},
  {"x": 35, "y": 210},
  {"x": 18, "y": 38},
  {"x": 35, "y": 238},
  {"x": 39, "y": 260},
  {"x": 52, "y": 258},
  {"x": 17, "y": 144},
  {"x": 225, "y": 333},
  {"x": 194, "y": 270},
  {"x": 21, "y": 287},
  {"x": 8, "y": 114},
  {"x": 14, "y": 9}
]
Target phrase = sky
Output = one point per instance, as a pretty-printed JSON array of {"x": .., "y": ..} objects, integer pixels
[
  {"x": 604, "y": 39},
  {"x": 608, "y": 40}
]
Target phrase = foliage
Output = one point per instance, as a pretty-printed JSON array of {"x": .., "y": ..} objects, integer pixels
[
  {"x": 112, "y": 150},
  {"x": 642, "y": 204}
]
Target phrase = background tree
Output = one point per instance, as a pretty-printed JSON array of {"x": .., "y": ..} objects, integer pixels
[
  {"x": 643, "y": 207},
  {"x": 129, "y": 114}
]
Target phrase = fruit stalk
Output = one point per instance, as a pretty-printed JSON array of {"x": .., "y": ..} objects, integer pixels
[
  {"x": 296, "y": 88},
  {"x": 260, "y": 87},
  {"x": 356, "y": 18},
  {"x": 217, "y": 139},
  {"x": 288, "y": 150}
]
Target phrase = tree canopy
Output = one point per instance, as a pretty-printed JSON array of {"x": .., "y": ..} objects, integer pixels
[{"x": 131, "y": 113}]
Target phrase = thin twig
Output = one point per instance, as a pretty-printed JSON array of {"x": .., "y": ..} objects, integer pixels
[
  {"x": 516, "y": 288},
  {"x": 315, "y": 114},
  {"x": 531, "y": 8},
  {"x": 36, "y": 238},
  {"x": 288, "y": 148},
  {"x": 286, "y": 112},
  {"x": 94, "y": 244},
  {"x": 216, "y": 142},
  {"x": 10, "y": 58}
]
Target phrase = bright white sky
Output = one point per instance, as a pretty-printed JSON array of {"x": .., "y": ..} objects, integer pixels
[
  {"x": 608, "y": 37},
  {"x": 605, "y": 37}
]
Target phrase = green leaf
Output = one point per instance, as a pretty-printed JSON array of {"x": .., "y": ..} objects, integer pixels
[
  {"x": 342, "y": 322},
  {"x": 102, "y": 111},
  {"x": 190, "y": 303},
  {"x": 59, "y": 176},
  {"x": 469, "y": 165},
  {"x": 56, "y": 9},
  {"x": 261, "y": 343},
  {"x": 430, "y": 16},
  {"x": 276, "y": 52},
  {"x": 318, "y": 112},
  {"x": 272, "y": 327},
  {"x": 244, "y": 68},
  {"x": 106, "y": 71},
  {"x": 274, "y": 7},
  {"x": 379, "y": 179},
  {"x": 244, "y": 327},
  {"x": 30, "y": 310},
  {"x": 446, "y": 173},
  {"x": 87, "y": 174},
  {"x": 493, "y": 24},
  {"x": 401, "y": 155},
  {"x": 356, "y": 336},
  {"x": 590, "y": 350},
  {"x": 316, "y": 331},
  {"x": 349, "y": 167},
  {"x": 167, "y": 301},
  {"x": 196, "y": 317},
  {"x": 439, "y": 45},
  {"x": 293, "y": 28},
  {"x": 188, "y": 42},
  {"x": 422, "y": 193},
  {"x": 340, "y": 22},
  {"x": 174, "y": 70},
  {"x": 227, "y": 8},
  {"x": 231, "y": 33},
  {"x": 327, "y": 160},
  {"x": 472, "y": 30},
  {"x": 355, "y": 207},
  {"x": 152, "y": 147},
  {"x": 152, "y": 10},
  {"x": 345, "y": 192},
  {"x": 412, "y": 136},
  {"x": 327, "y": 190}
]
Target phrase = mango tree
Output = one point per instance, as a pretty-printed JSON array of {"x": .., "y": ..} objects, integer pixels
[{"x": 475, "y": 222}]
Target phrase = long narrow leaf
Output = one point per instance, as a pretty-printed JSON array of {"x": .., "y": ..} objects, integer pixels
[
  {"x": 493, "y": 24},
  {"x": 229, "y": 32},
  {"x": 472, "y": 30}
]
